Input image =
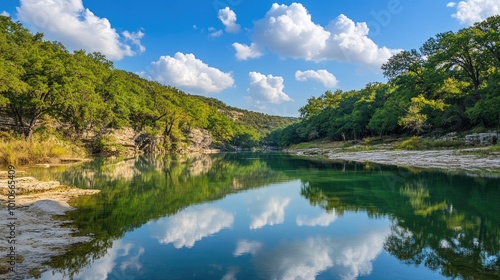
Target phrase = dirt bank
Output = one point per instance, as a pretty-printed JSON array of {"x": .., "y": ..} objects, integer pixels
[
  {"x": 38, "y": 234},
  {"x": 455, "y": 160}
]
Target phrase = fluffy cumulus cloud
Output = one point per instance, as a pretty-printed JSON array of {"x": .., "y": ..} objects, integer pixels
[
  {"x": 290, "y": 32},
  {"x": 272, "y": 212},
  {"x": 187, "y": 72},
  {"x": 266, "y": 89},
  {"x": 326, "y": 78},
  {"x": 4, "y": 13},
  {"x": 245, "y": 52},
  {"x": 191, "y": 225},
  {"x": 70, "y": 23},
  {"x": 471, "y": 11},
  {"x": 228, "y": 18}
]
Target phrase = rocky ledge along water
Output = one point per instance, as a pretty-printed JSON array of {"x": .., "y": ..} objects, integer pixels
[
  {"x": 456, "y": 160},
  {"x": 38, "y": 235}
]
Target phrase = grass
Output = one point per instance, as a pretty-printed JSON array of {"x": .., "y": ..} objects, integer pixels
[
  {"x": 17, "y": 151},
  {"x": 416, "y": 143},
  {"x": 371, "y": 143}
]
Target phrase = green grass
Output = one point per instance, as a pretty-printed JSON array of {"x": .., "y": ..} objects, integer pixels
[{"x": 415, "y": 143}]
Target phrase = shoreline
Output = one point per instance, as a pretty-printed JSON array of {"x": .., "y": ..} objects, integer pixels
[
  {"x": 466, "y": 160},
  {"x": 39, "y": 232}
]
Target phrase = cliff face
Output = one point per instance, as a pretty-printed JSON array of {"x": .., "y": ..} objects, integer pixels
[
  {"x": 131, "y": 143},
  {"x": 200, "y": 141}
]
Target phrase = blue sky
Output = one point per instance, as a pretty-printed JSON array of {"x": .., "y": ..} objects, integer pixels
[{"x": 261, "y": 55}]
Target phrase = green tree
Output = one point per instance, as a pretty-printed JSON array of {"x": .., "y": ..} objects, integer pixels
[{"x": 416, "y": 117}]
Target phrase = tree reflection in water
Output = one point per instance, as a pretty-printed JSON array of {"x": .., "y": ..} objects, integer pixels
[{"x": 449, "y": 223}]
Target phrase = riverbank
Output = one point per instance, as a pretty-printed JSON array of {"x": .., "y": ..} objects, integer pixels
[
  {"x": 470, "y": 159},
  {"x": 40, "y": 233}
]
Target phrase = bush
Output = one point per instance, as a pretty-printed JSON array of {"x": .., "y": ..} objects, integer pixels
[
  {"x": 415, "y": 143},
  {"x": 107, "y": 145},
  {"x": 16, "y": 150}
]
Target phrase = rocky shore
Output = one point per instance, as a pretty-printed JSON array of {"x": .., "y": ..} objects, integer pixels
[
  {"x": 455, "y": 160},
  {"x": 33, "y": 226}
]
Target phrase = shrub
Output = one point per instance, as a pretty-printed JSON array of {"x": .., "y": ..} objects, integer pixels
[
  {"x": 16, "y": 150},
  {"x": 414, "y": 143},
  {"x": 107, "y": 145}
]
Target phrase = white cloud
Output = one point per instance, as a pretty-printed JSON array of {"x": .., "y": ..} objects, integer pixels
[
  {"x": 228, "y": 18},
  {"x": 214, "y": 33},
  {"x": 244, "y": 52},
  {"x": 246, "y": 247},
  {"x": 189, "y": 73},
  {"x": 189, "y": 226},
  {"x": 266, "y": 89},
  {"x": 471, "y": 11},
  {"x": 271, "y": 213},
  {"x": 135, "y": 38},
  {"x": 451, "y": 4},
  {"x": 4, "y": 13},
  {"x": 322, "y": 76},
  {"x": 324, "y": 220},
  {"x": 290, "y": 32},
  {"x": 77, "y": 27}
]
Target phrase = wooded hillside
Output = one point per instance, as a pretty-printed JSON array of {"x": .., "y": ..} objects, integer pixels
[
  {"x": 43, "y": 84},
  {"x": 451, "y": 83}
]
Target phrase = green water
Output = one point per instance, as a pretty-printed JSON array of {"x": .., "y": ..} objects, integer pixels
[{"x": 274, "y": 216}]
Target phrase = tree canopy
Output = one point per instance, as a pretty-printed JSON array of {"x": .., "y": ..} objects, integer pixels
[
  {"x": 83, "y": 92},
  {"x": 451, "y": 83}
]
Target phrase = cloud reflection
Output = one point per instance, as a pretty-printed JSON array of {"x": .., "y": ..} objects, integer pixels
[
  {"x": 271, "y": 213},
  {"x": 101, "y": 268},
  {"x": 189, "y": 226},
  {"x": 323, "y": 220},
  {"x": 246, "y": 247},
  {"x": 305, "y": 259}
]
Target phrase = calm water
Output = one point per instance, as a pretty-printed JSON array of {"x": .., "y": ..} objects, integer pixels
[{"x": 273, "y": 216}]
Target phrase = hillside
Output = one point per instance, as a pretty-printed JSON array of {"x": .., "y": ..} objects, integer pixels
[
  {"x": 451, "y": 84},
  {"x": 46, "y": 92}
]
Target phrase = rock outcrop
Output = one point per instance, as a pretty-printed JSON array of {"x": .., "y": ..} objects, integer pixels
[
  {"x": 200, "y": 141},
  {"x": 482, "y": 139}
]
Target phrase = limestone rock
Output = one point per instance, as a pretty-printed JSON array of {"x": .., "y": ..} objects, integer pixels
[
  {"x": 200, "y": 141},
  {"x": 482, "y": 139}
]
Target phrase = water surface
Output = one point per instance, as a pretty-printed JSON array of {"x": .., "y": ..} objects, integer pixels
[{"x": 274, "y": 216}]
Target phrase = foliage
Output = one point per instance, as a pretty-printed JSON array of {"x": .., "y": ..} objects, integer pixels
[
  {"x": 452, "y": 83},
  {"x": 39, "y": 149},
  {"x": 416, "y": 143},
  {"x": 40, "y": 79}
]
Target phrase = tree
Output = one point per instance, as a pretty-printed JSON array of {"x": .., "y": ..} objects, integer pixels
[
  {"x": 44, "y": 84},
  {"x": 415, "y": 117},
  {"x": 460, "y": 54},
  {"x": 486, "y": 35}
]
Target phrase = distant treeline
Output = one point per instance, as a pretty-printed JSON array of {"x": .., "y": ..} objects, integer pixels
[
  {"x": 452, "y": 83},
  {"x": 42, "y": 82}
]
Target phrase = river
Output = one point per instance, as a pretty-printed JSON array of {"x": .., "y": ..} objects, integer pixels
[{"x": 277, "y": 216}]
